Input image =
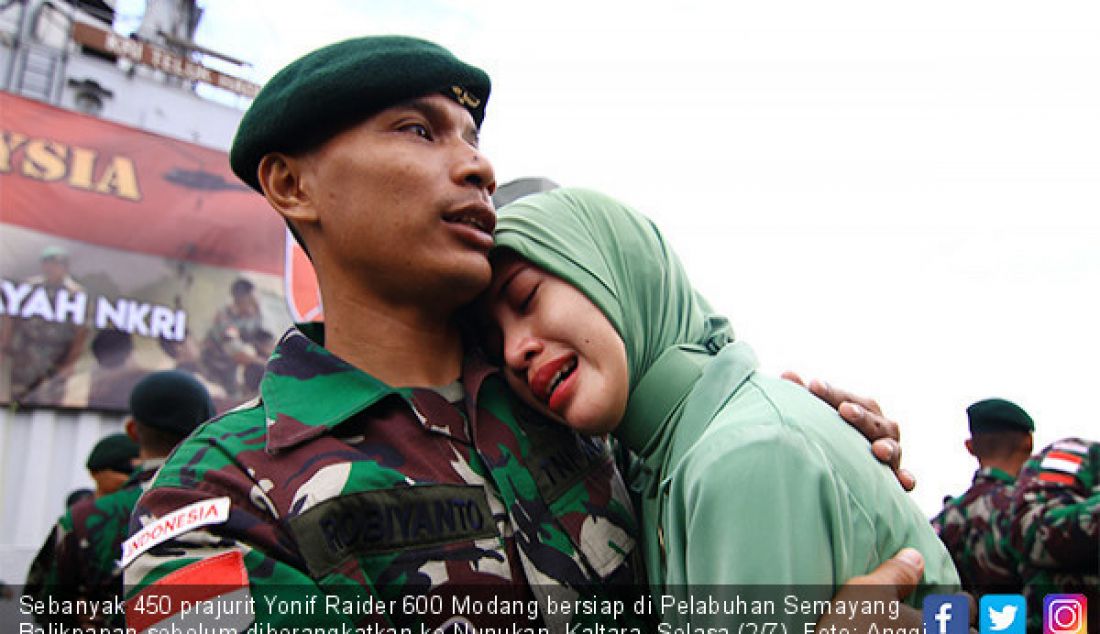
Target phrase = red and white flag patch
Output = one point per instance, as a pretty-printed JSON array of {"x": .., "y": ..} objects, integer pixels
[
  {"x": 1060, "y": 466},
  {"x": 208, "y": 593}
]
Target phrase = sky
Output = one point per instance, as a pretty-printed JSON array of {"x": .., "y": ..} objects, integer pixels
[{"x": 899, "y": 198}]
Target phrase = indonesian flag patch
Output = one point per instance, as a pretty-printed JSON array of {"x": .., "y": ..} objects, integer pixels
[
  {"x": 210, "y": 595},
  {"x": 1061, "y": 465}
]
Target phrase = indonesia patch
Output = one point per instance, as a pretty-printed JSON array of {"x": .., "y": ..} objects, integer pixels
[
  {"x": 176, "y": 523},
  {"x": 209, "y": 595}
]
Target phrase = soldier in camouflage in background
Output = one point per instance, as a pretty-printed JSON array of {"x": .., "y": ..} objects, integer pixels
[
  {"x": 1056, "y": 526},
  {"x": 41, "y": 352},
  {"x": 111, "y": 465},
  {"x": 87, "y": 541},
  {"x": 974, "y": 526}
]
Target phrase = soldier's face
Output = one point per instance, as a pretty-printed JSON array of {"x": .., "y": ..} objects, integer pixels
[
  {"x": 246, "y": 305},
  {"x": 54, "y": 270},
  {"x": 403, "y": 201},
  {"x": 108, "y": 481},
  {"x": 561, "y": 353}
]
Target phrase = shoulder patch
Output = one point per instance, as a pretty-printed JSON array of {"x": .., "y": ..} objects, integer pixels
[
  {"x": 211, "y": 592},
  {"x": 1061, "y": 461},
  {"x": 1072, "y": 446},
  {"x": 176, "y": 523}
]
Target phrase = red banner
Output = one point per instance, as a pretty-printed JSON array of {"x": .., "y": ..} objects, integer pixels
[
  {"x": 83, "y": 178},
  {"x": 124, "y": 252}
]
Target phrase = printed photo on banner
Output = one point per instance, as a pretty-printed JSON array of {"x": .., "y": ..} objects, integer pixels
[{"x": 123, "y": 253}]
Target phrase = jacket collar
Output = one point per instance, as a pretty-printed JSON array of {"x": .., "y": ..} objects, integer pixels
[
  {"x": 678, "y": 397},
  {"x": 306, "y": 390},
  {"x": 993, "y": 473}
]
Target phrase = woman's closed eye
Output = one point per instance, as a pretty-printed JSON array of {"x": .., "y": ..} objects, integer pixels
[{"x": 522, "y": 290}]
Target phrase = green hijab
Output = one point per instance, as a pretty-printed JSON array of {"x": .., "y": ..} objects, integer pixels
[{"x": 619, "y": 260}]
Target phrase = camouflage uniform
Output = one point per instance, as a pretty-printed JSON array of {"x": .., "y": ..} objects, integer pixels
[
  {"x": 1056, "y": 525},
  {"x": 38, "y": 347},
  {"x": 974, "y": 527},
  {"x": 341, "y": 485},
  {"x": 80, "y": 558}
]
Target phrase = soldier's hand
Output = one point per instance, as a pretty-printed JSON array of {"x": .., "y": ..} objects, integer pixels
[
  {"x": 866, "y": 416},
  {"x": 890, "y": 583}
]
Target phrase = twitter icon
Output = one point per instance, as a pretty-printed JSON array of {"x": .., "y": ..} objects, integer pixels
[{"x": 1003, "y": 614}]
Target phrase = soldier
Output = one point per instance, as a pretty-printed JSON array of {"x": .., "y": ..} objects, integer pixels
[
  {"x": 111, "y": 462},
  {"x": 384, "y": 462},
  {"x": 974, "y": 525},
  {"x": 116, "y": 372},
  {"x": 235, "y": 339},
  {"x": 364, "y": 461},
  {"x": 87, "y": 541},
  {"x": 1056, "y": 527},
  {"x": 43, "y": 352}
]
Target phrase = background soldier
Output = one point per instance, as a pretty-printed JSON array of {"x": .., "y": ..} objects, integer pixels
[
  {"x": 236, "y": 340},
  {"x": 111, "y": 462},
  {"x": 87, "y": 541},
  {"x": 42, "y": 352},
  {"x": 974, "y": 526},
  {"x": 1056, "y": 527}
]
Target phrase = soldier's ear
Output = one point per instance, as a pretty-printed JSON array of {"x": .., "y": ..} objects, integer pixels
[
  {"x": 130, "y": 427},
  {"x": 283, "y": 179},
  {"x": 970, "y": 447}
]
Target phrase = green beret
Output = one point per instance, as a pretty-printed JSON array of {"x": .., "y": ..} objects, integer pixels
[
  {"x": 171, "y": 400},
  {"x": 996, "y": 414},
  {"x": 54, "y": 252},
  {"x": 329, "y": 90},
  {"x": 115, "y": 452}
]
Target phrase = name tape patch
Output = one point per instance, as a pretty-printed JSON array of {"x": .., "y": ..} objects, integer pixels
[
  {"x": 190, "y": 517},
  {"x": 391, "y": 519}
]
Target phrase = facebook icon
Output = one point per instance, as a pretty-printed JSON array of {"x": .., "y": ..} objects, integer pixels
[{"x": 946, "y": 614}]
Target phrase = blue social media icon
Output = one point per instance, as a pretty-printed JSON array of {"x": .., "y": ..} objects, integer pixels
[
  {"x": 1002, "y": 614},
  {"x": 946, "y": 614}
]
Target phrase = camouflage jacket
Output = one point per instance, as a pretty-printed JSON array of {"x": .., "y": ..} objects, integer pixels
[
  {"x": 1056, "y": 523},
  {"x": 80, "y": 560},
  {"x": 975, "y": 526},
  {"x": 332, "y": 487}
]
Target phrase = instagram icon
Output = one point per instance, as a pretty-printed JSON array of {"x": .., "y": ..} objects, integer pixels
[{"x": 1065, "y": 614}]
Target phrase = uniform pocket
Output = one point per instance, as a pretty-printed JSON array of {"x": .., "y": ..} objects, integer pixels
[{"x": 577, "y": 478}]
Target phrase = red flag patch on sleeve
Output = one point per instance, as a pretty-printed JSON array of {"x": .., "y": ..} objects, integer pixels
[{"x": 207, "y": 592}]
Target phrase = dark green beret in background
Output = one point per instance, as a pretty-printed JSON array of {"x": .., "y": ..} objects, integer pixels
[
  {"x": 171, "y": 400},
  {"x": 997, "y": 414},
  {"x": 115, "y": 452},
  {"x": 326, "y": 91}
]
